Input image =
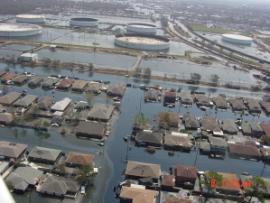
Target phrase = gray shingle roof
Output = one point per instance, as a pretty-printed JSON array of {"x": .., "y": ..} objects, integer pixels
[{"x": 45, "y": 153}]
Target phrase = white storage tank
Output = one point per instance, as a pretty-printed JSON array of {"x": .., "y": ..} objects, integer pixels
[
  {"x": 83, "y": 22},
  {"x": 141, "y": 28},
  {"x": 29, "y": 18},
  {"x": 19, "y": 30},
  {"x": 237, "y": 39}
]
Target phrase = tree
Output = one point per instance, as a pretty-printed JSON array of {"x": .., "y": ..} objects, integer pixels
[
  {"x": 214, "y": 79},
  {"x": 257, "y": 189},
  {"x": 164, "y": 21},
  {"x": 137, "y": 73},
  {"x": 90, "y": 67},
  {"x": 139, "y": 121},
  {"x": 164, "y": 119},
  {"x": 147, "y": 73},
  {"x": 83, "y": 176}
]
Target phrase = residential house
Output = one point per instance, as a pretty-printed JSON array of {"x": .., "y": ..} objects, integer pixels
[
  {"x": 184, "y": 175},
  {"x": 44, "y": 155},
  {"x": 9, "y": 98},
  {"x": 75, "y": 159},
  {"x": 9, "y": 150},
  {"x": 137, "y": 195},
  {"x": 101, "y": 112},
  {"x": 91, "y": 130},
  {"x": 149, "y": 138}
]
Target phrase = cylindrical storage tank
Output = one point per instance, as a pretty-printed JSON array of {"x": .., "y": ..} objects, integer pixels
[
  {"x": 141, "y": 28},
  {"x": 34, "y": 19},
  {"x": 237, "y": 39},
  {"x": 143, "y": 42},
  {"x": 19, "y": 30},
  {"x": 83, "y": 22}
]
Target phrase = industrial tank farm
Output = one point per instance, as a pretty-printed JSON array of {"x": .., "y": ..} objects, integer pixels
[
  {"x": 83, "y": 22},
  {"x": 141, "y": 28},
  {"x": 33, "y": 19},
  {"x": 19, "y": 30},
  {"x": 237, "y": 39},
  {"x": 143, "y": 42}
]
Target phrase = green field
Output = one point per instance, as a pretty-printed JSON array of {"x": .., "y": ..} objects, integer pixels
[{"x": 204, "y": 28}]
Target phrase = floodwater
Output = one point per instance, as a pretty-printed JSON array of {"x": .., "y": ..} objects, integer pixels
[{"x": 116, "y": 151}]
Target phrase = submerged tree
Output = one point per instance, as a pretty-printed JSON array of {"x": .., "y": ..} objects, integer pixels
[
  {"x": 257, "y": 189},
  {"x": 139, "y": 121},
  {"x": 195, "y": 78},
  {"x": 214, "y": 79}
]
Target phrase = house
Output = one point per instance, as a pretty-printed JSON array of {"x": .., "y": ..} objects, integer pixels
[
  {"x": 91, "y": 130},
  {"x": 237, "y": 104},
  {"x": 44, "y": 155},
  {"x": 184, "y": 174},
  {"x": 35, "y": 81},
  {"x": 6, "y": 118},
  {"x": 9, "y": 76},
  {"x": 61, "y": 105},
  {"x": 168, "y": 119},
  {"x": 101, "y": 112},
  {"x": 23, "y": 177},
  {"x": 209, "y": 123},
  {"x": 149, "y": 138},
  {"x": 229, "y": 127},
  {"x": 167, "y": 182},
  {"x": 217, "y": 145},
  {"x": 169, "y": 97},
  {"x": 253, "y": 105},
  {"x": 256, "y": 129},
  {"x": 58, "y": 187},
  {"x": 75, "y": 159},
  {"x": 137, "y": 170},
  {"x": 94, "y": 88},
  {"x": 26, "y": 101},
  {"x": 175, "y": 199},
  {"x": 116, "y": 90},
  {"x": 204, "y": 147},
  {"x": 45, "y": 103},
  {"x": 186, "y": 98},
  {"x": 4, "y": 165},
  {"x": 202, "y": 100},
  {"x": 265, "y": 106},
  {"x": 9, "y": 150},
  {"x": 246, "y": 128},
  {"x": 64, "y": 84},
  {"x": 244, "y": 150},
  {"x": 28, "y": 57},
  {"x": 152, "y": 95},
  {"x": 79, "y": 85},
  {"x": 9, "y": 98},
  {"x": 49, "y": 83},
  {"x": 190, "y": 122},
  {"x": 220, "y": 102},
  {"x": 137, "y": 194},
  {"x": 178, "y": 141},
  {"x": 20, "y": 79}
]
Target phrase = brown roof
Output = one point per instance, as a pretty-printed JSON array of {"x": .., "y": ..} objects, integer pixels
[
  {"x": 79, "y": 85},
  {"x": 266, "y": 128},
  {"x": 6, "y": 118},
  {"x": 11, "y": 150},
  {"x": 173, "y": 119},
  {"x": 266, "y": 106},
  {"x": 168, "y": 180},
  {"x": 79, "y": 159},
  {"x": 8, "y": 76},
  {"x": 209, "y": 123},
  {"x": 185, "y": 171},
  {"x": 244, "y": 150},
  {"x": 138, "y": 195},
  {"x": 65, "y": 83},
  {"x": 45, "y": 103},
  {"x": 9, "y": 98},
  {"x": 20, "y": 79},
  {"x": 142, "y": 170},
  {"x": 177, "y": 141}
]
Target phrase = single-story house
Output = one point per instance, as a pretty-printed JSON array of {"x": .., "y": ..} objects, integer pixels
[
  {"x": 79, "y": 85},
  {"x": 253, "y": 105},
  {"x": 237, "y": 104},
  {"x": 9, "y": 76},
  {"x": 217, "y": 145},
  {"x": 44, "y": 155},
  {"x": 169, "y": 97},
  {"x": 186, "y": 98},
  {"x": 184, "y": 174},
  {"x": 220, "y": 102},
  {"x": 9, "y": 98},
  {"x": 256, "y": 129},
  {"x": 45, "y": 103},
  {"x": 25, "y": 101},
  {"x": 202, "y": 100},
  {"x": 28, "y": 57},
  {"x": 20, "y": 79},
  {"x": 116, "y": 90},
  {"x": 265, "y": 151},
  {"x": 167, "y": 182},
  {"x": 64, "y": 84},
  {"x": 49, "y": 83},
  {"x": 148, "y": 138},
  {"x": 229, "y": 127},
  {"x": 137, "y": 195},
  {"x": 94, "y": 88},
  {"x": 139, "y": 170},
  {"x": 204, "y": 147},
  {"x": 58, "y": 186},
  {"x": 6, "y": 118},
  {"x": 61, "y": 105},
  {"x": 178, "y": 141},
  {"x": 91, "y": 130},
  {"x": 10, "y": 150},
  {"x": 101, "y": 112},
  {"x": 152, "y": 95},
  {"x": 35, "y": 81},
  {"x": 190, "y": 122},
  {"x": 246, "y": 128},
  {"x": 75, "y": 159},
  {"x": 209, "y": 123},
  {"x": 245, "y": 151}
]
